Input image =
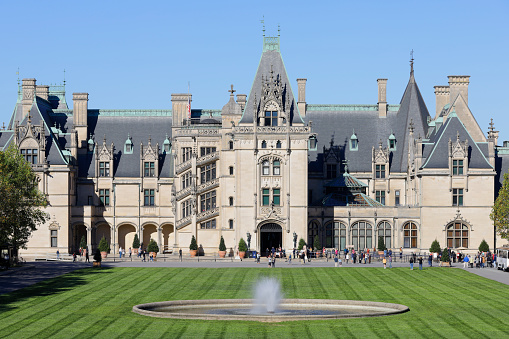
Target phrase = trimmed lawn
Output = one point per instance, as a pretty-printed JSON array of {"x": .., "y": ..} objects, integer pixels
[{"x": 449, "y": 303}]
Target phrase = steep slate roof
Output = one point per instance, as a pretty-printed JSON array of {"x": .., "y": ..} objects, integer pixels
[
  {"x": 271, "y": 59},
  {"x": 439, "y": 156}
]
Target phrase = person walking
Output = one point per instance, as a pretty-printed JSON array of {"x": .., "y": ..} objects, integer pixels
[
  {"x": 87, "y": 259},
  {"x": 130, "y": 252},
  {"x": 290, "y": 259},
  {"x": 347, "y": 257},
  {"x": 390, "y": 261},
  {"x": 384, "y": 260},
  {"x": 400, "y": 253},
  {"x": 180, "y": 254},
  {"x": 420, "y": 263},
  {"x": 411, "y": 262},
  {"x": 336, "y": 263},
  {"x": 58, "y": 255},
  {"x": 270, "y": 261},
  {"x": 465, "y": 261}
]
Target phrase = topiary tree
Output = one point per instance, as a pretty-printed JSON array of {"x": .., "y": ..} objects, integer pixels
[
  {"x": 152, "y": 246},
  {"x": 484, "y": 247},
  {"x": 136, "y": 241},
  {"x": 103, "y": 245},
  {"x": 83, "y": 242},
  {"x": 445, "y": 255},
  {"x": 97, "y": 256},
  {"x": 193, "y": 246},
  {"x": 316, "y": 243},
  {"x": 500, "y": 211},
  {"x": 435, "y": 247},
  {"x": 242, "y": 245},
  {"x": 381, "y": 244},
  {"x": 302, "y": 243},
  {"x": 222, "y": 246}
]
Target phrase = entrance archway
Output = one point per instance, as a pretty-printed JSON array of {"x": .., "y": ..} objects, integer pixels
[
  {"x": 126, "y": 234},
  {"x": 103, "y": 230},
  {"x": 271, "y": 235},
  {"x": 149, "y": 232},
  {"x": 78, "y": 232},
  {"x": 167, "y": 230}
]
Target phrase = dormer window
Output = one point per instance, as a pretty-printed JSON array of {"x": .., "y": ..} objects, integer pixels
[
  {"x": 128, "y": 145},
  {"x": 104, "y": 168},
  {"x": 166, "y": 145},
  {"x": 457, "y": 167},
  {"x": 90, "y": 144},
  {"x": 30, "y": 155},
  {"x": 392, "y": 142},
  {"x": 270, "y": 118},
  {"x": 354, "y": 143},
  {"x": 312, "y": 143},
  {"x": 149, "y": 169},
  {"x": 380, "y": 171}
]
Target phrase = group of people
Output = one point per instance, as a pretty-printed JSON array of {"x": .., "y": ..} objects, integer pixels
[
  {"x": 121, "y": 252},
  {"x": 480, "y": 260}
]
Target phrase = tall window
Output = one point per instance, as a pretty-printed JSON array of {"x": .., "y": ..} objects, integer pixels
[
  {"x": 231, "y": 170},
  {"x": 208, "y": 172},
  {"x": 264, "y": 144},
  {"x": 104, "y": 168},
  {"x": 30, "y": 155},
  {"x": 384, "y": 231},
  {"x": 186, "y": 208},
  {"x": 186, "y": 153},
  {"x": 266, "y": 168},
  {"x": 230, "y": 200},
  {"x": 457, "y": 167},
  {"x": 313, "y": 229},
  {"x": 276, "y": 196},
  {"x": 362, "y": 235},
  {"x": 270, "y": 118},
  {"x": 150, "y": 170},
  {"x": 396, "y": 197},
  {"x": 276, "y": 167},
  {"x": 230, "y": 144},
  {"x": 265, "y": 197},
  {"x": 332, "y": 170},
  {"x": 208, "y": 201},
  {"x": 410, "y": 235},
  {"x": 335, "y": 235},
  {"x": 149, "y": 197},
  {"x": 457, "y": 196},
  {"x": 380, "y": 197},
  {"x": 104, "y": 197},
  {"x": 211, "y": 224},
  {"x": 457, "y": 235},
  {"x": 380, "y": 171},
  {"x": 186, "y": 179},
  {"x": 206, "y": 150},
  {"x": 54, "y": 238},
  {"x": 230, "y": 223},
  {"x": 278, "y": 144}
]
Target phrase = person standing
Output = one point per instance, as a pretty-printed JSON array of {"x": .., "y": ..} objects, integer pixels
[
  {"x": 411, "y": 262},
  {"x": 430, "y": 260},
  {"x": 390, "y": 261},
  {"x": 465, "y": 261},
  {"x": 270, "y": 261},
  {"x": 87, "y": 259},
  {"x": 384, "y": 260},
  {"x": 290, "y": 259},
  {"x": 58, "y": 255},
  {"x": 420, "y": 263},
  {"x": 336, "y": 261},
  {"x": 180, "y": 254},
  {"x": 347, "y": 257},
  {"x": 130, "y": 252},
  {"x": 400, "y": 253}
]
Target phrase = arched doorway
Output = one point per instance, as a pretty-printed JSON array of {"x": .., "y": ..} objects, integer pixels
[
  {"x": 271, "y": 235},
  {"x": 149, "y": 232},
  {"x": 102, "y": 230},
  {"x": 79, "y": 231},
  {"x": 126, "y": 234},
  {"x": 167, "y": 230}
]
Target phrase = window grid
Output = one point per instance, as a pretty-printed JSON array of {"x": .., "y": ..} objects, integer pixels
[
  {"x": 208, "y": 201},
  {"x": 362, "y": 235},
  {"x": 270, "y": 118},
  {"x": 30, "y": 155},
  {"x": 457, "y": 235},
  {"x": 186, "y": 153},
  {"x": 380, "y": 171},
  {"x": 104, "y": 168},
  {"x": 384, "y": 231},
  {"x": 208, "y": 225},
  {"x": 457, "y": 167},
  {"x": 265, "y": 197},
  {"x": 150, "y": 170},
  {"x": 104, "y": 197},
  {"x": 380, "y": 197},
  {"x": 186, "y": 208},
  {"x": 208, "y": 172},
  {"x": 331, "y": 171},
  {"x": 54, "y": 238},
  {"x": 186, "y": 179},
  {"x": 149, "y": 197},
  {"x": 457, "y": 196},
  {"x": 206, "y": 150},
  {"x": 410, "y": 235}
]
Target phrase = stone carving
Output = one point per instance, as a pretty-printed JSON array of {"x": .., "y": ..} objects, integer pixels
[
  {"x": 208, "y": 185},
  {"x": 183, "y": 166},
  {"x": 207, "y": 158},
  {"x": 183, "y": 222},
  {"x": 207, "y": 214}
]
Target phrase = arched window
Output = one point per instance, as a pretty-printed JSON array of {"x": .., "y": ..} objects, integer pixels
[
  {"x": 384, "y": 231},
  {"x": 335, "y": 235},
  {"x": 264, "y": 144},
  {"x": 278, "y": 144},
  {"x": 230, "y": 144},
  {"x": 410, "y": 235},
  {"x": 362, "y": 235},
  {"x": 276, "y": 167},
  {"x": 312, "y": 231},
  {"x": 457, "y": 235},
  {"x": 231, "y": 201},
  {"x": 265, "y": 168}
]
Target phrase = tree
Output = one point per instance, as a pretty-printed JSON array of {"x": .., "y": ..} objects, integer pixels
[
  {"x": 20, "y": 206},
  {"x": 193, "y": 246},
  {"x": 222, "y": 246},
  {"x": 435, "y": 247},
  {"x": 316, "y": 243},
  {"x": 484, "y": 247},
  {"x": 381, "y": 244},
  {"x": 152, "y": 246},
  {"x": 83, "y": 242},
  {"x": 136, "y": 241},
  {"x": 302, "y": 243},
  {"x": 445, "y": 255},
  {"x": 103, "y": 245},
  {"x": 242, "y": 245},
  {"x": 500, "y": 211}
]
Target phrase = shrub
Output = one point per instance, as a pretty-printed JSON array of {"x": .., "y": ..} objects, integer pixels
[
  {"x": 242, "y": 245},
  {"x": 136, "y": 241},
  {"x": 316, "y": 243},
  {"x": 302, "y": 243},
  {"x": 484, "y": 247},
  {"x": 193, "y": 245},
  {"x": 103, "y": 245},
  {"x": 381, "y": 244},
  {"x": 83, "y": 242},
  {"x": 435, "y": 247},
  {"x": 445, "y": 255},
  {"x": 97, "y": 256},
  {"x": 152, "y": 246},
  {"x": 222, "y": 246}
]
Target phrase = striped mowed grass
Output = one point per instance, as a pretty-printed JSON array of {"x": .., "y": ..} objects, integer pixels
[{"x": 448, "y": 303}]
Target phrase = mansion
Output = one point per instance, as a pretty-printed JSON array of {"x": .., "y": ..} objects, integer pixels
[{"x": 268, "y": 167}]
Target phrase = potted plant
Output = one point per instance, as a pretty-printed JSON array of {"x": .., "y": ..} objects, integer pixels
[
  {"x": 302, "y": 243},
  {"x": 136, "y": 243},
  {"x": 83, "y": 245},
  {"x": 97, "y": 258},
  {"x": 317, "y": 245},
  {"x": 222, "y": 248},
  {"x": 445, "y": 260},
  {"x": 242, "y": 248},
  {"x": 435, "y": 248},
  {"x": 152, "y": 248},
  {"x": 484, "y": 247},
  {"x": 381, "y": 246},
  {"x": 193, "y": 247},
  {"x": 104, "y": 247}
]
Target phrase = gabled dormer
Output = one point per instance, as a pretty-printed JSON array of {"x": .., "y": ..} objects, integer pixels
[
  {"x": 149, "y": 160},
  {"x": 104, "y": 160}
]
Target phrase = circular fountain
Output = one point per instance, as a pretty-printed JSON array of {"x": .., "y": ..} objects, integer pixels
[{"x": 267, "y": 306}]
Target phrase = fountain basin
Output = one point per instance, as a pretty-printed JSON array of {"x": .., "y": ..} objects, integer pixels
[{"x": 288, "y": 309}]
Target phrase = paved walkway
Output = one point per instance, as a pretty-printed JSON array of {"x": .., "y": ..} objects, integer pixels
[{"x": 34, "y": 272}]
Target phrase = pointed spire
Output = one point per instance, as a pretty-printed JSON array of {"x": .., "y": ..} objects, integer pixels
[
  {"x": 232, "y": 91},
  {"x": 263, "y": 23},
  {"x": 492, "y": 125},
  {"x": 412, "y": 66}
]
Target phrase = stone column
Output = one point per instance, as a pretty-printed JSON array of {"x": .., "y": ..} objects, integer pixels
[{"x": 159, "y": 238}]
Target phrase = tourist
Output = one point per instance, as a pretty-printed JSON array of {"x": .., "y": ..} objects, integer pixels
[
  {"x": 465, "y": 261},
  {"x": 58, "y": 255},
  {"x": 430, "y": 260},
  {"x": 270, "y": 261},
  {"x": 420, "y": 263},
  {"x": 347, "y": 256},
  {"x": 390, "y": 261},
  {"x": 400, "y": 253},
  {"x": 369, "y": 258},
  {"x": 336, "y": 263},
  {"x": 120, "y": 252},
  {"x": 180, "y": 254},
  {"x": 87, "y": 259},
  {"x": 130, "y": 252},
  {"x": 143, "y": 254},
  {"x": 340, "y": 262},
  {"x": 411, "y": 262},
  {"x": 384, "y": 260},
  {"x": 257, "y": 258},
  {"x": 290, "y": 259},
  {"x": 274, "y": 262},
  {"x": 74, "y": 256}
]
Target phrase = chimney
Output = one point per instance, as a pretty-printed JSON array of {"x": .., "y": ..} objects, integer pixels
[
  {"x": 458, "y": 84},
  {"x": 301, "y": 102},
  {"x": 80, "y": 117},
  {"x": 241, "y": 100},
  {"x": 42, "y": 91},
  {"x": 441, "y": 98},
  {"x": 28, "y": 88},
  {"x": 382, "y": 98},
  {"x": 179, "y": 108}
]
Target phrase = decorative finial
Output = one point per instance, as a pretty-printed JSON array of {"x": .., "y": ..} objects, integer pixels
[
  {"x": 278, "y": 30},
  {"x": 457, "y": 135},
  {"x": 263, "y": 23},
  {"x": 29, "y": 117},
  {"x": 492, "y": 125},
  {"x": 232, "y": 90},
  {"x": 345, "y": 162},
  {"x": 64, "y": 77},
  {"x": 411, "y": 126},
  {"x": 17, "y": 73},
  {"x": 150, "y": 139},
  {"x": 3, "y": 125},
  {"x": 412, "y": 62},
  {"x": 380, "y": 144}
]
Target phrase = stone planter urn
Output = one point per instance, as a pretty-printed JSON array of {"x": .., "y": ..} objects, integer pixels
[
  {"x": 242, "y": 254},
  {"x": 104, "y": 254},
  {"x": 193, "y": 252},
  {"x": 222, "y": 254}
]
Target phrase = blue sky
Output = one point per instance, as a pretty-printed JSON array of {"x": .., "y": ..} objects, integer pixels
[{"x": 133, "y": 54}]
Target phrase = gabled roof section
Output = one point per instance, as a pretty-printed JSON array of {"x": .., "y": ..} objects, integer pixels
[{"x": 271, "y": 60}]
